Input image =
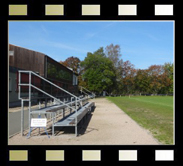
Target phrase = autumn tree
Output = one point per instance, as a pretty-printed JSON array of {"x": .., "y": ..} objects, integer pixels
[
  {"x": 73, "y": 63},
  {"x": 155, "y": 75},
  {"x": 128, "y": 76},
  {"x": 142, "y": 81}
]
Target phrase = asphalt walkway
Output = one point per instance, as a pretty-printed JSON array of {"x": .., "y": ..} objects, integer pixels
[{"x": 15, "y": 122}]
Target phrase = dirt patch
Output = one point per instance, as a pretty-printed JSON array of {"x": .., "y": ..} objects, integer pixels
[{"x": 107, "y": 125}]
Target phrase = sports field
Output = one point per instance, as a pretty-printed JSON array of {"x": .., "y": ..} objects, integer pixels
[{"x": 154, "y": 113}]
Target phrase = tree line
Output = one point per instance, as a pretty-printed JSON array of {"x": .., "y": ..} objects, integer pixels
[{"x": 105, "y": 70}]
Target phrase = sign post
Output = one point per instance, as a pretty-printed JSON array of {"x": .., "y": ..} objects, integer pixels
[{"x": 38, "y": 123}]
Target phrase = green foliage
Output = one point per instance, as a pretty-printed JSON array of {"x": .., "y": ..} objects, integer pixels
[
  {"x": 168, "y": 68},
  {"x": 105, "y": 70},
  {"x": 98, "y": 71}
]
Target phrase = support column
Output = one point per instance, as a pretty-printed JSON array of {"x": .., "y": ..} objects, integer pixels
[
  {"x": 39, "y": 104},
  {"x": 63, "y": 112},
  {"x": 29, "y": 100},
  {"x": 22, "y": 118},
  {"x": 76, "y": 128},
  {"x": 46, "y": 102},
  {"x": 52, "y": 124}
]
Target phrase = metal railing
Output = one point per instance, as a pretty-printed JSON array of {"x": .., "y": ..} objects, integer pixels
[
  {"x": 29, "y": 84},
  {"x": 81, "y": 89}
]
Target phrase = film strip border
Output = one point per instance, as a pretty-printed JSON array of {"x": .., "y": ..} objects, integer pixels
[
  {"x": 90, "y": 10},
  {"x": 90, "y": 155}
]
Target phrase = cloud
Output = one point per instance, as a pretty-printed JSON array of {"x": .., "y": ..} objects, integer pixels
[
  {"x": 110, "y": 24},
  {"x": 152, "y": 37},
  {"x": 44, "y": 30},
  {"x": 63, "y": 46},
  {"x": 90, "y": 35}
]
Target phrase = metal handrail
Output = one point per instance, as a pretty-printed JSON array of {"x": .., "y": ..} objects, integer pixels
[
  {"x": 87, "y": 90},
  {"x": 84, "y": 93},
  {"x": 23, "y": 71},
  {"x": 50, "y": 96},
  {"x": 77, "y": 99},
  {"x": 80, "y": 99}
]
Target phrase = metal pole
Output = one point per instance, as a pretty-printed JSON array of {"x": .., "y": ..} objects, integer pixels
[
  {"x": 76, "y": 129},
  {"x": 22, "y": 118},
  {"x": 63, "y": 112},
  {"x": 39, "y": 117},
  {"x": 52, "y": 124},
  {"x": 39, "y": 105},
  {"x": 46, "y": 102},
  {"x": 29, "y": 99},
  {"x": 19, "y": 82},
  {"x": 52, "y": 84}
]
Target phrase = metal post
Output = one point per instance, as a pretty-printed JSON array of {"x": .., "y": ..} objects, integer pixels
[
  {"x": 22, "y": 118},
  {"x": 19, "y": 82},
  {"x": 39, "y": 116},
  {"x": 46, "y": 102},
  {"x": 29, "y": 99},
  {"x": 52, "y": 124},
  {"x": 63, "y": 112},
  {"x": 70, "y": 110},
  {"x": 39, "y": 105},
  {"x": 76, "y": 129}
]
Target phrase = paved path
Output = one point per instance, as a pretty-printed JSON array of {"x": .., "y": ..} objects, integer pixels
[
  {"x": 15, "y": 122},
  {"x": 107, "y": 125}
]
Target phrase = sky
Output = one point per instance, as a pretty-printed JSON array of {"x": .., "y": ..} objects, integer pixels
[{"x": 143, "y": 43}]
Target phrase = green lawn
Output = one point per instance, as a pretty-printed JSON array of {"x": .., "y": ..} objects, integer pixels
[{"x": 154, "y": 113}]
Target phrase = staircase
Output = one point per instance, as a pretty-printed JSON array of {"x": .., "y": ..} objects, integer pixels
[{"x": 78, "y": 106}]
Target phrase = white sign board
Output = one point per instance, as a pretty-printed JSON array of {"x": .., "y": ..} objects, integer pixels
[{"x": 38, "y": 122}]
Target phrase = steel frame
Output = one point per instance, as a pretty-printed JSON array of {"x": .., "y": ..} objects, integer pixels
[{"x": 77, "y": 99}]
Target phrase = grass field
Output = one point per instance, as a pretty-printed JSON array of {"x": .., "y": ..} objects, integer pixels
[{"x": 154, "y": 113}]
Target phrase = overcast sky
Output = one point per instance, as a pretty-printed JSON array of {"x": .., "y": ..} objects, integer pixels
[{"x": 142, "y": 43}]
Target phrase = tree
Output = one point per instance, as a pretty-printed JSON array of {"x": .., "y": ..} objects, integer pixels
[
  {"x": 72, "y": 62},
  {"x": 113, "y": 53},
  {"x": 167, "y": 77},
  {"x": 128, "y": 73},
  {"x": 155, "y": 73},
  {"x": 142, "y": 81},
  {"x": 98, "y": 71}
]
